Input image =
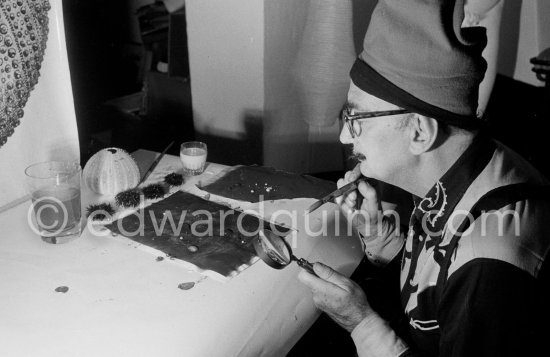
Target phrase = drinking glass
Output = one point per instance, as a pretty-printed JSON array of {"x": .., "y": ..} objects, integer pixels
[
  {"x": 193, "y": 157},
  {"x": 55, "y": 212}
]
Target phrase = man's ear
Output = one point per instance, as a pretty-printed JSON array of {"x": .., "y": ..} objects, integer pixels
[{"x": 423, "y": 134}]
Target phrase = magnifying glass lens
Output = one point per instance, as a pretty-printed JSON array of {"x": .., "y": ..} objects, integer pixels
[
  {"x": 275, "y": 248},
  {"x": 277, "y": 257}
]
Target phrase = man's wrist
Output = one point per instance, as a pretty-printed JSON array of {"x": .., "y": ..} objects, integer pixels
[
  {"x": 374, "y": 337},
  {"x": 383, "y": 249},
  {"x": 379, "y": 231},
  {"x": 360, "y": 317}
]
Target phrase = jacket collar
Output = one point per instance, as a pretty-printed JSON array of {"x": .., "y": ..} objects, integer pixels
[{"x": 436, "y": 207}]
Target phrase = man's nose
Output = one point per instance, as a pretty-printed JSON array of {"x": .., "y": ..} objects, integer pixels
[{"x": 345, "y": 135}]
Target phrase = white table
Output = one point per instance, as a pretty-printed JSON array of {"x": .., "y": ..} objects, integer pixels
[{"x": 122, "y": 302}]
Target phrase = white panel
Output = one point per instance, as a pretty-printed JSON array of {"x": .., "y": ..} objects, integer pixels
[
  {"x": 226, "y": 41},
  {"x": 309, "y": 52},
  {"x": 48, "y": 128}
]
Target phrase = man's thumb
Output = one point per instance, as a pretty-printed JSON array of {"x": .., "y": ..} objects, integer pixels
[{"x": 327, "y": 273}]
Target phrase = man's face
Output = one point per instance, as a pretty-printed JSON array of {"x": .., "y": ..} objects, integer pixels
[{"x": 382, "y": 146}]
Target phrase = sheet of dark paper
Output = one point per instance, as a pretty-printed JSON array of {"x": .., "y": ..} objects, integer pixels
[
  {"x": 251, "y": 183},
  {"x": 222, "y": 250}
]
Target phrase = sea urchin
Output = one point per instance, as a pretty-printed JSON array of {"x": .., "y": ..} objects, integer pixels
[
  {"x": 128, "y": 198},
  {"x": 173, "y": 179},
  {"x": 153, "y": 191},
  {"x": 100, "y": 212}
]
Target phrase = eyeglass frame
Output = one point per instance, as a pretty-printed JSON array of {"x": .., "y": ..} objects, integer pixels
[{"x": 348, "y": 118}]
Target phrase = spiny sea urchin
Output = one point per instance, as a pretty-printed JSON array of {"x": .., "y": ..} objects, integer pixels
[
  {"x": 100, "y": 211},
  {"x": 153, "y": 191},
  {"x": 173, "y": 179},
  {"x": 128, "y": 198}
]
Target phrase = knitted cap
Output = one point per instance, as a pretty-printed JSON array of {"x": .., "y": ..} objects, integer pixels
[{"x": 417, "y": 56}]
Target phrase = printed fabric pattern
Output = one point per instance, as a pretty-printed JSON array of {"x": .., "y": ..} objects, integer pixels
[{"x": 425, "y": 252}]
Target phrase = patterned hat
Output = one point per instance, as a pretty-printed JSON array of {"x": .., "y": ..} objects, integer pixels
[{"x": 417, "y": 56}]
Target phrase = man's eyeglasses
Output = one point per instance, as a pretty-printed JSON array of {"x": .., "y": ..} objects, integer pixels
[{"x": 354, "y": 126}]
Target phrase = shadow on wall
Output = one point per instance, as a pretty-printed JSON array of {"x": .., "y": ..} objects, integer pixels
[
  {"x": 362, "y": 12},
  {"x": 509, "y": 37},
  {"x": 245, "y": 150},
  {"x": 160, "y": 115},
  {"x": 517, "y": 115}
]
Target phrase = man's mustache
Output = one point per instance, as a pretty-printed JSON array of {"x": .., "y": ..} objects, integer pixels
[
  {"x": 357, "y": 157},
  {"x": 353, "y": 156}
]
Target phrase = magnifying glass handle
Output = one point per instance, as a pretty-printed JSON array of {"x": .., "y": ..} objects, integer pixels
[{"x": 306, "y": 265}]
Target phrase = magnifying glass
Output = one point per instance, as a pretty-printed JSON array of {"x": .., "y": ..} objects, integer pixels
[{"x": 274, "y": 251}]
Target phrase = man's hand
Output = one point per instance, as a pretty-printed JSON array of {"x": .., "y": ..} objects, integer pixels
[
  {"x": 363, "y": 208},
  {"x": 342, "y": 299}
]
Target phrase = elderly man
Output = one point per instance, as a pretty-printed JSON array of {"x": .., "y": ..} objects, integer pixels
[{"x": 471, "y": 266}]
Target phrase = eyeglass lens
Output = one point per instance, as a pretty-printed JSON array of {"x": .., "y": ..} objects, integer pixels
[{"x": 354, "y": 127}]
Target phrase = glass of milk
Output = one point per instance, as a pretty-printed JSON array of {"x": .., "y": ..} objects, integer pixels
[
  {"x": 193, "y": 157},
  {"x": 55, "y": 212}
]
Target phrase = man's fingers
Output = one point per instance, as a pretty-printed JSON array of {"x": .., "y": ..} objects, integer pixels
[
  {"x": 351, "y": 198},
  {"x": 328, "y": 274},
  {"x": 327, "y": 278},
  {"x": 353, "y": 174},
  {"x": 347, "y": 210},
  {"x": 349, "y": 176},
  {"x": 370, "y": 202},
  {"x": 315, "y": 283},
  {"x": 357, "y": 171}
]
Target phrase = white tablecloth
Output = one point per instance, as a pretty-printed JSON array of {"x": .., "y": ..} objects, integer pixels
[{"x": 122, "y": 302}]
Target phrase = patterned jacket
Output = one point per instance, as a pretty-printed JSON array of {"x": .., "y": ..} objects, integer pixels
[{"x": 472, "y": 265}]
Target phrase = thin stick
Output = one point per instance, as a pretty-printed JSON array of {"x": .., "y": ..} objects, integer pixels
[{"x": 154, "y": 164}]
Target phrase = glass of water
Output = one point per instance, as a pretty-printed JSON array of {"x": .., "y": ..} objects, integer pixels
[{"x": 55, "y": 212}]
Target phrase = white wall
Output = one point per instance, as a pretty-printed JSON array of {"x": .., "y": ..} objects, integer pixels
[
  {"x": 251, "y": 56},
  {"x": 226, "y": 54},
  {"x": 309, "y": 49}
]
